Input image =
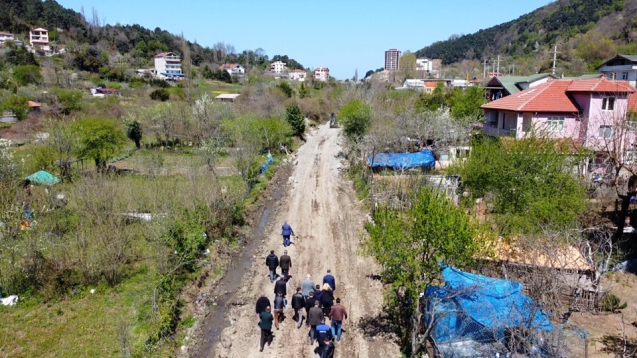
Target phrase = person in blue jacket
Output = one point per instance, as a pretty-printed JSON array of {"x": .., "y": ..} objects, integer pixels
[
  {"x": 286, "y": 231},
  {"x": 330, "y": 280}
]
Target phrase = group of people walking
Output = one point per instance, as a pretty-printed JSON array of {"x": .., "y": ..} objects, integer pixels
[{"x": 317, "y": 301}]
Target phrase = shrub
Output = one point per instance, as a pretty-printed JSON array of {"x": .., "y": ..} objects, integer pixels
[
  {"x": 612, "y": 303},
  {"x": 296, "y": 120},
  {"x": 17, "y": 104},
  {"x": 286, "y": 88},
  {"x": 160, "y": 95},
  {"x": 99, "y": 139},
  {"x": 27, "y": 74},
  {"x": 356, "y": 117},
  {"x": 68, "y": 100},
  {"x": 134, "y": 132}
]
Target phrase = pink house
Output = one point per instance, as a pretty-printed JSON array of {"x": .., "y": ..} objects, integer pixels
[{"x": 591, "y": 112}]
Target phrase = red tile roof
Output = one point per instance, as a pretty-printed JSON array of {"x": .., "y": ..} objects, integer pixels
[
  {"x": 600, "y": 85},
  {"x": 4, "y": 33},
  {"x": 163, "y": 54},
  {"x": 553, "y": 95},
  {"x": 298, "y": 71},
  {"x": 322, "y": 69},
  {"x": 228, "y": 66},
  {"x": 632, "y": 102}
]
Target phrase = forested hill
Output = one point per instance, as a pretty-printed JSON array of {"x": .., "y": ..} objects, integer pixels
[
  {"x": 67, "y": 26},
  {"x": 563, "y": 19}
]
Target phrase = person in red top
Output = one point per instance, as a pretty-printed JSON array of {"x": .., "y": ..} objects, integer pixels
[{"x": 337, "y": 315}]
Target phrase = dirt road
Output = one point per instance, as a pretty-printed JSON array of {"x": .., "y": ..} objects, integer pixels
[{"x": 324, "y": 212}]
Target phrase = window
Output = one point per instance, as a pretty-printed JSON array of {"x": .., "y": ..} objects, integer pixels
[
  {"x": 624, "y": 75},
  {"x": 630, "y": 157},
  {"x": 608, "y": 103},
  {"x": 605, "y": 131},
  {"x": 555, "y": 124}
]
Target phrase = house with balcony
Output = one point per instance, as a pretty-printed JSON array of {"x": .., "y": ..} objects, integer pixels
[
  {"x": 322, "y": 74},
  {"x": 168, "y": 66},
  {"x": 297, "y": 75},
  {"x": 4, "y": 37},
  {"x": 594, "y": 113},
  {"x": 501, "y": 86},
  {"x": 621, "y": 67},
  {"x": 39, "y": 39},
  {"x": 278, "y": 67},
  {"x": 234, "y": 69}
]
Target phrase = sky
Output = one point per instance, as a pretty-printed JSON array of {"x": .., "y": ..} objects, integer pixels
[{"x": 343, "y": 35}]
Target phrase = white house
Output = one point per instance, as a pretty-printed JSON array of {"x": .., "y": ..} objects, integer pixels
[
  {"x": 278, "y": 67},
  {"x": 322, "y": 74},
  {"x": 39, "y": 39},
  {"x": 424, "y": 64},
  {"x": 168, "y": 65},
  {"x": 297, "y": 75},
  {"x": 4, "y": 37},
  {"x": 621, "y": 67},
  {"x": 234, "y": 69}
]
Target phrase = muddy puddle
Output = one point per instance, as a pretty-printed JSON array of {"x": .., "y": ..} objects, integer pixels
[{"x": 214, "y": 324}]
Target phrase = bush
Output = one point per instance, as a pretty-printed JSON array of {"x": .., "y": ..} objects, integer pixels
[
  {"x": 356, "y": 117},
  {"x": 27, "y": 74},
  {"x": 68, "y": 100},
  {"x": 160, "y": 95},
  {"x": 286, "y": 88},
  {"x": 612, "y": 303},
  {"x": 99, "y": 139},
  {"x": 17, "y": 104}
]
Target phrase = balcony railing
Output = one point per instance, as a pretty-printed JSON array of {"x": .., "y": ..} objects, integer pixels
[{"x": 499, "y": 132}]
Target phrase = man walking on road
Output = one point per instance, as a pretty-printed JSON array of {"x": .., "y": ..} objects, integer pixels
[
  {"x": 318, "y": 293},
  {"x": 337, "y": 314},
  {"x": 309, "y": 303},
  {"x": 298, "y": 303},
  {"x": 314, "y": 318},
  {"x": 324, "y": 338},
  {"x": 280, "y": 287},
  {"x": 266, "y": 327},
  {"x": 272, "y": 262},
  {"x": 307, "y": 286},
  {"x": 330, "y": 280},
  {"x": 286, "y": 231},
  {"x": 262, "y": 303},
  {"x": 285, "y": 263},
  {"x": 279, "y": 306}
]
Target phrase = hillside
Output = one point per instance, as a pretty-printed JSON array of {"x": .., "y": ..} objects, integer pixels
[
  {"x": 609, "y": 24},
  {"x": 68, "y": 27}
]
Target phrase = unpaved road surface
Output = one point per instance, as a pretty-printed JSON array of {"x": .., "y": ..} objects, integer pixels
[{"x": 322, "y": 208}]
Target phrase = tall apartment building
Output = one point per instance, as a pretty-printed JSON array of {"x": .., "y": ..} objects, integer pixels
[
  {"x": 391, "y": 59},
  {"x": 39, "y": 39},
  {"x": 278, "y": 67},
  {"x": 167, "y": 64}
]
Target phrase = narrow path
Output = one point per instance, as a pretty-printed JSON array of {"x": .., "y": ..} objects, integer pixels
[{"x": 325, "y": 214}]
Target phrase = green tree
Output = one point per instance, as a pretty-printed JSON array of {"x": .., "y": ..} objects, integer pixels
[
  {"x": 295, "y": 118},
  {"x": 407, "y": 65},
  {"x": 160, "y": 94},
  {"x": 529, "y": 182},
  {"x": 432, "y": 101},
  {"x": 408, "y": 244},
  {"x": 19, "y": 56},
  {"x": 303, "y": 91},
  {"x": 134, "y": 132},
  {"x": 207, "y": 72},
  {"x": 68, "y": 100},
  {"x": 466, "y": 104},
  {"x": 222, "y": 75},
  {"x": 99, "y": 139},
  {"x": 286, "y": 88},
  {"x": 355, "y": 117},
  {"x": 27, "y": 74},
  {"x": 17, "y": 104}
]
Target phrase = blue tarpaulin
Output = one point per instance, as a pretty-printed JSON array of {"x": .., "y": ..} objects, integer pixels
[
  {"x": 43, "y": 178},
  {"x": 480, "y": 308},
  {"x": 402, "y": 161},
  {"x": 265, "y": 165}
]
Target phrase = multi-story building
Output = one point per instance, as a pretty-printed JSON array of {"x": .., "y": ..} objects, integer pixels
[
  {"x": 392, "y": 57},
  {"x": 39, "y": 39},
  {"x": 234, "y": 69},
  {"x": 278, "y": 67},
  {"x": 322, "y": 74},
  {"x": 621, "y": 67},
  {"x": 297, "y": 75},
  {"x": 4, "y": 37},
  {"x": 424, "y": 64},
  {"x": 167, "y": 64}
]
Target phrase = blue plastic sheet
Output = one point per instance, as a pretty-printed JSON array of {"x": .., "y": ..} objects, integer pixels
[
  {"x": 402, "y": 161},
  {"x": 265, "y": 165},
  {"x": 480, "y": 308},
  {"x": 43, "y": 178}
]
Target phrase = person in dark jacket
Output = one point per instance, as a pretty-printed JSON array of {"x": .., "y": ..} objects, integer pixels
[
  {"x": 262, "y": 303},
  {"x": 314, "y": 318},
  {"x": 272, "y": 262},
  {"x": 285, "y": 263},
  {"x": 286, "y": 231},
  {"x": 324, "y": 337},
  {"x": 318, "y": 293},
  {"x": 266, "y": 327},
  {"x": 298, "y": 303},
  {"x": 329, "y": 279},
  {"x": 280, "y": 287},
  {"x": 309, "y": 303},
  {"x": 279, "y": 306},
  {"x": 327, "y": 299}
]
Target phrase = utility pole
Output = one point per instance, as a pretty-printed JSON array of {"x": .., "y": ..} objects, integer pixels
[
  {"x": 514, "y": 68},
  {"x": 484, "y": 71},
  {"x": 555, "y": 58},
  {"x": 498, "y": 71}
]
